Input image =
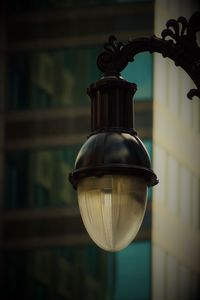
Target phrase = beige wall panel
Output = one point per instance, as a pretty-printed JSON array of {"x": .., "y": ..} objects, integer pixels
[
  {"x": 175, "y": 237},
  {"x": 173, "y": 88},
  {"x": 184, "y": 283},
  {"x": 172, "y": 278},
  {"x": 159, "y": 257},
  {"x": 160, "y": 168},
  {"x": 176, "y": 138},
  {"x": 185, "y": 195},
  {"x": 160, "y": 76},
  {"x": 173, "y": 184},
  {"x": 196, "y": 203}
]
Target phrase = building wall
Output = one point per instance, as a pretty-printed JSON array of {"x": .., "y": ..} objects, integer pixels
[
  {"x": 176, "y": 200},
  {"x": 50, "y": 52}
]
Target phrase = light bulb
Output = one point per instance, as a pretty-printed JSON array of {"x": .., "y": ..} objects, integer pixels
[{"x": 112, "y": 208}]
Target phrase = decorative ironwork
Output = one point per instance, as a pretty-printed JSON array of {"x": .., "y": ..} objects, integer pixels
[{"x": 178, "y": 43}]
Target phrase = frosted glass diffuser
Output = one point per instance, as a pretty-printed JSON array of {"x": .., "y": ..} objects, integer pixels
[{"x": 112, "y": 208}]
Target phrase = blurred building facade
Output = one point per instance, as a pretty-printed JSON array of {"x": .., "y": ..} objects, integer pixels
[
  {"x": 48, "y": 58},
  {"x": 176, "y": 200}
]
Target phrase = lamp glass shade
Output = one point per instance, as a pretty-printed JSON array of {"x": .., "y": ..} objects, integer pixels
[{"x": 112, "y": 208}]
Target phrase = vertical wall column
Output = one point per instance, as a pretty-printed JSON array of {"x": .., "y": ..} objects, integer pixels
[{"x": 176, "y": 200}]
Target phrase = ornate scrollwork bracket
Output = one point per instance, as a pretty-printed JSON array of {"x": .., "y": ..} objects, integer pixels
[{"x": 178, "y": 42}]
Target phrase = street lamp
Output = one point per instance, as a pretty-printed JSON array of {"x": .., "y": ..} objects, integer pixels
[{"x": 112, "y": 170}]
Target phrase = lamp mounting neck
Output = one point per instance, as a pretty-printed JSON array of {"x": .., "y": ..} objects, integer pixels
[{"x": 112, "y": 105}]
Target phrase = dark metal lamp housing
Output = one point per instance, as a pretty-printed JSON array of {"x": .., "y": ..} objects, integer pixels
[{"x": 112, "y": 170}]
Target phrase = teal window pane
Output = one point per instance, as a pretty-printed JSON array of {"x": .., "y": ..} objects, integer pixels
[
  {"x": 133, "y": 272},
  {"x": 41, "y": 196},
  {"x": 18, "y": 81},
  {"x": 40, "y": 178},
  {"x": 50, "y": 79},
  {"x": 140, "y": 72},
  {"x": 148, "y": 145},
  {"x": 16, "y": 179}
]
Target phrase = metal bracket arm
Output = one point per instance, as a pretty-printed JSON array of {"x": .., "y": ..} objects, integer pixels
[{"x": 178, "y": 42}]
